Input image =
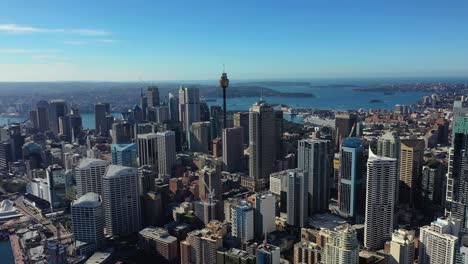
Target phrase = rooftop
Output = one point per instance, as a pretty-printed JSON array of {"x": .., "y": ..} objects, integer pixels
[
  {"x": 88, "y": 162},
  {"x": 89, "y": 199},
  {"x": 159, "y": 234}
]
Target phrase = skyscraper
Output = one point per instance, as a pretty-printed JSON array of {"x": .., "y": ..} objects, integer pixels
[
  {"x": 43, "y": 116},
  {"x": 402, "y": 247},
  {"x": 344, "y": 123},
  {"x": 56, "y": 180},
  {"x": 148, "y": 150},
  {"x": 57, "y": 109},
  {"x": 153, "y": 96},
  {"x": 457, "y": 183},
  {"x": 265, "y": 210},
  {"x": 388, "y": 145},
  {"x": 124, "y": 154},
  {"x": 88, "y": 222},
  {"x": 342, "y": 246},
  {"x": 439, "y": 241},
  {"x": 121, "y": 200},
  {"x": 314, "y": 159},
  {"x": 380, "y": 200},
  {"x": 411, "y": 163},
  {"x": 166, "y": 152},
  {"x": 233, "y": 149},
  {"x": 88, "y": 175},
  {"x": 261, "y": 140},
  {"x": 241, "y": 119},
  {"x": 64, "y": 131},
  {"x": 122, "y": 133},
  {"x": 242, "y": 219},
  {"x": 200, "y": 137},
  {"x": 189, "y": 108},
  {"x": 162, "y": 113},
  {"x": 101, "y": 110},
  {"x": 351, "y": 192},
  {"x": 76, "y": 126},
  {"x": 297, "y": 202},
  {"x": 173, "y": 104},
  {"x": 216, "y": 120},
  {"x": 143, "y": 105}
]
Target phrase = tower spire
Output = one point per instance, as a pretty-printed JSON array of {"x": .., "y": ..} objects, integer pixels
[{"x": 224, "y": 83}]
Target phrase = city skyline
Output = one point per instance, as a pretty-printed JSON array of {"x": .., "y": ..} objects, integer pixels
[{"x": 53, "y": 41}]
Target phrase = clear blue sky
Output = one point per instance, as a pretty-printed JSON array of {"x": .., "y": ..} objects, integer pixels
[{"x": 191, "y": 40}]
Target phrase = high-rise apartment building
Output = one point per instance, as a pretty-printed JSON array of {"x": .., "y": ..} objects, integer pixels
[
  {"x": 233, "y": 149},
  {"x": 166, "y": 152},
  {"x": 314, "y": 159},
  {"x": 402, "y": 247},
  {"x": 242, "y": 219},
  {"x": 200, "y": 247},
  {"x": 157, "y": 243},
  {"x": 88, "y": 223},
  {"x": 380, "y": 201},
  {"x": 411, "y": 163},
  {"x": 342, "y": 245},
  {"x": 121, "y": 200},
  {"x": 88, "y": 175},
  {"x": 265, "y": 210},
  {"x": 307, "y": 252},
  {"x": 438, "y": 242}
]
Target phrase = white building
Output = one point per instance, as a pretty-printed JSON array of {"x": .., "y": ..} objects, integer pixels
[
  {"x": 166, "y": 152},
  {"x": 121, "y": 200},
  {"x": 88, "y": 175},
  {"x": 402, "y": 247},
  {"x": 148, "y": 150},
  {"x": 438, "y": 242},
  {"x": 242, "y": 219},
  {"x": 380, "y": 200},
  {"x": 342, "y": 246},
  {"x": 265, "y": 206},
  {"x": 88, "y": 223}
]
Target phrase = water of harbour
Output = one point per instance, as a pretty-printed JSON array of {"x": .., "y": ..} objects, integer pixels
[
  {"x": 343, "y": 98},
  {"x": 6, "y": 255}
]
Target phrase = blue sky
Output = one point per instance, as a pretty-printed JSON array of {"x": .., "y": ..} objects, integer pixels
[{"x": 191, "y": 40}]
